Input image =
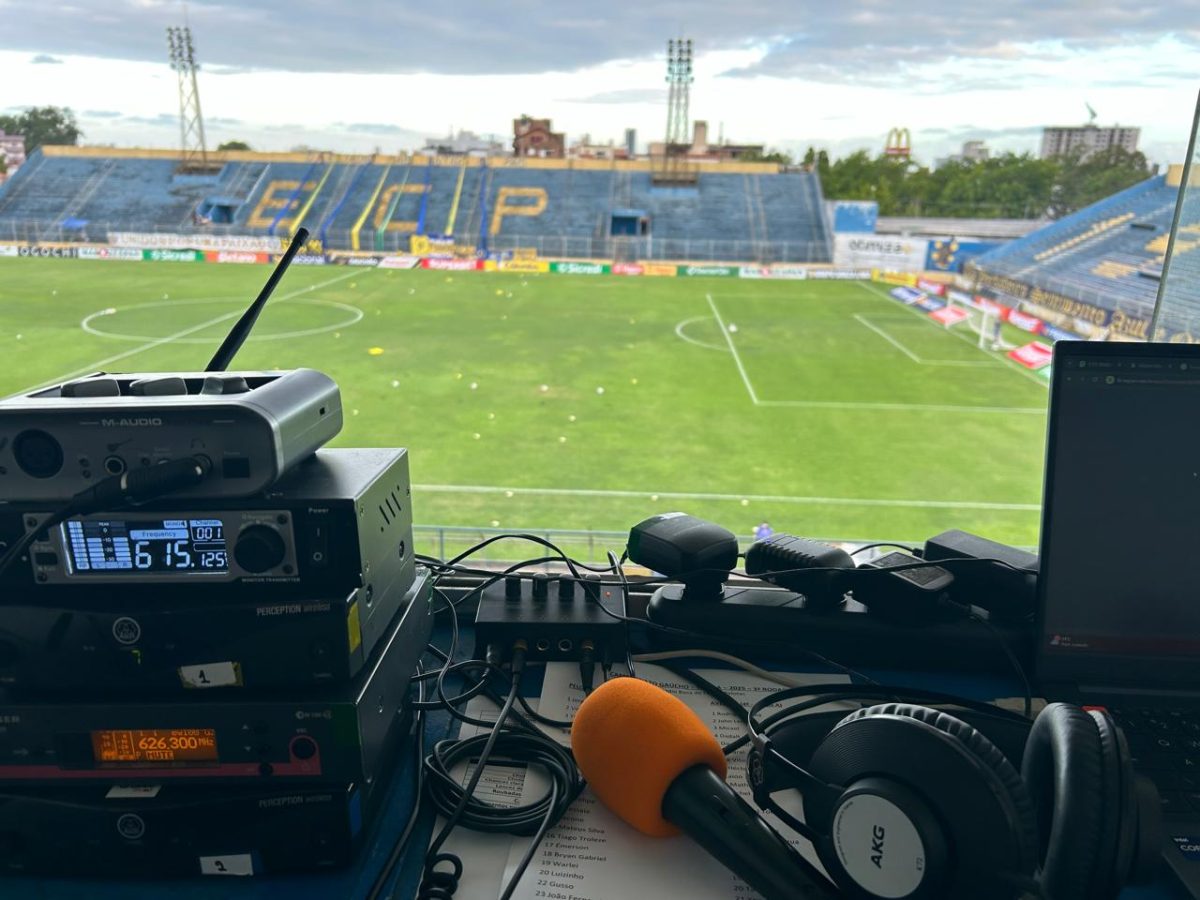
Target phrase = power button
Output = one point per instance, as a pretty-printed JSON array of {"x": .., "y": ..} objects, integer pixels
[{"x": 318, "y": 547}]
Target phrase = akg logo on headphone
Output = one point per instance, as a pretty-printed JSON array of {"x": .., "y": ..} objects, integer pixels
[
  {"x": 877, "y": 833},
  {"x": 757, "y": 776}
]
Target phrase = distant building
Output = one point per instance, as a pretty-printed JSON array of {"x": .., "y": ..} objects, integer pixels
[
  {"x": 972, "y": 151},
  {"x": 1090, "y": 139},
  {"x": 465, "y": 143},
  {"x": 700, "y": 149},
  {"x": 585, "y": 148},
  {"x": 533, "y": 137},
  {"x": 631, "y": 142},
  {"x": 12, "y": 151}
]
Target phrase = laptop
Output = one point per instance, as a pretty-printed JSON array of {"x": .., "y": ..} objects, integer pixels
[{"x": 1119, "y": 588}]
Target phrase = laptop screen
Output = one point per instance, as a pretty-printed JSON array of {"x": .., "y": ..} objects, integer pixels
[{"x": 1120, "y": 545}]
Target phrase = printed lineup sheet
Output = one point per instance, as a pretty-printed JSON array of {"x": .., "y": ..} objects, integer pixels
[{"x": 593, "y": 855}]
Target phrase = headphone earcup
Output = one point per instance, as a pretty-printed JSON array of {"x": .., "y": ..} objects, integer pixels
[
  {"x": 973, "y": 792},
  {"x": 1064, "y": 772}
]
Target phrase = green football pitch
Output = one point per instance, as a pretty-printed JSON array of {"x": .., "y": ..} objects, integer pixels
[{"x": 571, "y": 402}]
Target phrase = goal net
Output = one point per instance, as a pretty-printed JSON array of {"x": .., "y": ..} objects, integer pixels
[{"x": 985, "y": 323}]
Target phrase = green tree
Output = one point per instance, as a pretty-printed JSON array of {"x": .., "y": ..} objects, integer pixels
[
  {"x": 43, "y": 125},
  {"x": 234, "y": 145},
  {"x": 1084, "y": 181},
  {"x": 775, "y": 156}
]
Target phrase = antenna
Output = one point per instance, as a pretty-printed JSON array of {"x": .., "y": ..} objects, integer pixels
[{"x": 238, "y": 334}]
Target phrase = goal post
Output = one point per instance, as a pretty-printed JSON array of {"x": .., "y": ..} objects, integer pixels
[{"x": 984, "y": 322}]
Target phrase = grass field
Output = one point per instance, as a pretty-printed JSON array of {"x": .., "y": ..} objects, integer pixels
[{"x": 825, "y": 408}]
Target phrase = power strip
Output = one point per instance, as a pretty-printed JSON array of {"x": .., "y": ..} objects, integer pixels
[{"x": 556, "y": 618}]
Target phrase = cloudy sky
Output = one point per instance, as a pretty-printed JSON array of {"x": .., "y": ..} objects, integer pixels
[{"x": 383, "y": 73}]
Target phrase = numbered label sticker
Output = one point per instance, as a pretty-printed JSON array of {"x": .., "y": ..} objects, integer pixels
[
  {"x": 234, "y": 864},
  {"x": 218, "y": 674}
]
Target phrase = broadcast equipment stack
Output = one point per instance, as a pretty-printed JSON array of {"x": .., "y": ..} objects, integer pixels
[{"x": 208, "y": 624}]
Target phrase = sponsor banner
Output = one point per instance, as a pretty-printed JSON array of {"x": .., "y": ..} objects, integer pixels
[
  {"x": 874, "y": 251},
  {"x": 310, "y": 259},
  {"x": 906, "y": 295},
  {"x": 532, "y": 266},
  {"x": 951, "y": 254},
  {"x": 1058, "y": 334},
  {"x": 399, "y": 262},
  {"x": 172, "y": 256},
  {"x": 791, "y": 273},
  {"x": 708, "y": 271},
  {"x": 659, "y": 270},
  {"x": 244, "y": 257},
  {"x": 126, "y": 253},
  {"x": 626, "y": 269},
  {"x": 11, "y": 250},
  {"x": 59, "y": 252},
  {"x": 151, "y": 240},
  {"x": 451, "y": 265},
  {"x": 949, "y": 315},
  {"x": 931, "y": 287},
  {"x": 579, "y": 268},
  {"x": 960, "y": 297},
  {"x": 888, "y": 277},
  {"x": 929, "y": 304},
  {"x": 1033, "y": 355},
  {"x": 1025, "y": 322},
  {"x": 840, "y": 274},
  {"x": 366, "y": 261}
]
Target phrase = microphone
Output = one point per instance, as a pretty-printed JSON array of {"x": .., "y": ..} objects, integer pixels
[{"x": 651, "y": 760}]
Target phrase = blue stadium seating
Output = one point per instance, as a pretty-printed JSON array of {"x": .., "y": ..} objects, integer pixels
[
  {"x": 731, "y": 215},
  {"x": 1109, "y": 254}
]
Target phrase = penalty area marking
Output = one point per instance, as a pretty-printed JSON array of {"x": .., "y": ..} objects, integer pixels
[
  {"x": 895, "y": 342},
  {"x": 680, "y": 328},
  {"x": 354, "y": 316},
  {"x": 856, "y": 405},
  {"x": 758, "y": 498}
]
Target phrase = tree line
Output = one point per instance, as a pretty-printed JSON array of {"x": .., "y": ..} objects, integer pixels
[{"x": 1008, "y": 186}]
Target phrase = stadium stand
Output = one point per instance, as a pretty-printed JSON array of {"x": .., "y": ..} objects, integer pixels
[
  {"x": 1109, "y": 255},
  {"x": 576, "y": 208}
]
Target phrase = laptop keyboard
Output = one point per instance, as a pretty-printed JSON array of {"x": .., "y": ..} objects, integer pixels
[{"x": 1165, "y": 746}]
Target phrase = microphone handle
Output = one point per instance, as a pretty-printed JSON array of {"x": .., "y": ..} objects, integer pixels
[{"x": 715, "y": 816}]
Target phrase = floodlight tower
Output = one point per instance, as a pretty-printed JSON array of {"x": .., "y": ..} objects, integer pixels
[
  {"x": 679, "y": 82},
  {"x": 191, "y": 122}
]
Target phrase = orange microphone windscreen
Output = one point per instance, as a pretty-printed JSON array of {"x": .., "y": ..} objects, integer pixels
[{"x": 631, "y": 739}]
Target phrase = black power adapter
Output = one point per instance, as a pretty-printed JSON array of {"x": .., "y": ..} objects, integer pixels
[
  {"x": 908, "y": 596},
  {"x": 784, "y": 559},
  {"x": 1007, "y": 588}
]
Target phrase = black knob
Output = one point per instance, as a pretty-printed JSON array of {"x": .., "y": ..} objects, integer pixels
[
  {"x": 37, "y": 453},
  {"x": 259, "y": 548},
  {"x": 566, "y": 590},
  {"x": 512, "y": 588},
  {"x": 304, "y": 748},
  {"x": 541, "y": 586}
]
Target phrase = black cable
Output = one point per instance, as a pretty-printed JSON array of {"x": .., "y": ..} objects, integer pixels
[
  {"x": 397, "y": 852},
  {"x": 864, "y": 547},
  {"x": 1012, "y": 658},
  {"x": 721, "y": 696}
]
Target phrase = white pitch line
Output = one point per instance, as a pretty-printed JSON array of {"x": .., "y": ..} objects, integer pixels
[
  {"x": 732, "y": 349},
  {"x": 758, "y": 498},
  {"x": 887, "y": 337},
  {"x": 870, "y": 288},
  {"x": 158, "y": 342},
  {"x": 680, "y": 334},
  {"x": 967, "y": 363},
  {"x": 903, "y": 407}
]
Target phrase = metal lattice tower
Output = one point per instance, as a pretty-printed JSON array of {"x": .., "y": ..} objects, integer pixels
[
  {"x": 679, "y": 81},
  {"x": 191, "y": 122}
]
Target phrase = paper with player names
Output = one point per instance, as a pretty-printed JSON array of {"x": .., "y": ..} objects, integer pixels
[{"x": 591, "y": 854}]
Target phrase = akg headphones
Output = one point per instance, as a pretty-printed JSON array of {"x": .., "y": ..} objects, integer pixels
[{"x": 906, "y": 801}]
